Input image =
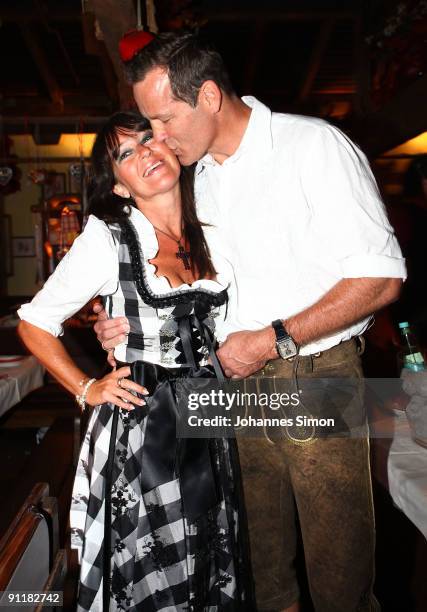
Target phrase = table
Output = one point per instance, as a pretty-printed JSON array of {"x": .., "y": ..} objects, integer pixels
[
  {"x": 17, "y": 381},
  {"x": 400, "y": 464},
  {"x": 407, "y": 473}
]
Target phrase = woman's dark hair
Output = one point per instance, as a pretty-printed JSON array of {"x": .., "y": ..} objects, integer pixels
[
  {"x": 188, "y": 60},
  {"x": 103, "y": 202},
  {"x": 112, "y": 208}
]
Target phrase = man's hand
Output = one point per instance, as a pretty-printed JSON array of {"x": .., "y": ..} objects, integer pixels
[
  {"x": 110, "y": 332},
  {"x": 246, "y": 352}
]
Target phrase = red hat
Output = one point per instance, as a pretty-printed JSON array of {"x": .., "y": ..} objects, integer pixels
[{"x": 132, "y": 42}]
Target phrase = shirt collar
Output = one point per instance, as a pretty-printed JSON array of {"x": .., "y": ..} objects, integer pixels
[{"x": 257, "y": 136}]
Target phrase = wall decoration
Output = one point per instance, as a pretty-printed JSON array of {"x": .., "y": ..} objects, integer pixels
[
  {"x": 77, "y": 176},
  {"x": 23, "y": 246},
  {"x": 55, "y": 185},
  {"x": 6, "y": 174},
  {"x": 10, "y": 173}
]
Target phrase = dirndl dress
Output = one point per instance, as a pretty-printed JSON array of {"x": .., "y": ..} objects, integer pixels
[{"x": 159, "y": 522}]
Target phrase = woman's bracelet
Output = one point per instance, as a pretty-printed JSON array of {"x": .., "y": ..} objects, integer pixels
[{"x": 81, "y": 399}]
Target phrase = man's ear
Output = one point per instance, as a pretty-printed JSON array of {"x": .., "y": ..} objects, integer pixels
[
  {"x": 210, "y": 95},
  {"x": 121, "y": 190}
]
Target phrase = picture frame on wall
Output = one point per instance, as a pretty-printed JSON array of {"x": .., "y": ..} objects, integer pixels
[
  {"x": 23, "y": 246},
  {"x": 57, "y": 184}
]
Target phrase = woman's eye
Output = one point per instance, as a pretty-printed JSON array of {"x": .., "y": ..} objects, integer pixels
[
  {"x": 147, "y": 137},
  {"x": 124, "y": 154}
]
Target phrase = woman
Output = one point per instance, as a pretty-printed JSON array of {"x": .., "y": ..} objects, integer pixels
[{"x": 167, "y": 509}]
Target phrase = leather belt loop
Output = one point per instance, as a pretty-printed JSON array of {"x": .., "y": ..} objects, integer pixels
[{"x": 361, "y": 345}]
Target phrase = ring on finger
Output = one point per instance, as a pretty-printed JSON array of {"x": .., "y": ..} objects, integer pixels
[{"x": 119, "y": 382}]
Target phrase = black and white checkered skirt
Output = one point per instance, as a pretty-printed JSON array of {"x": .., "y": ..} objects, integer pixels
[{"x": 161, "y": 560}]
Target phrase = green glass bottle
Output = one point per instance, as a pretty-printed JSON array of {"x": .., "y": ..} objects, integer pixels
[{"x": 411, "y": 355}]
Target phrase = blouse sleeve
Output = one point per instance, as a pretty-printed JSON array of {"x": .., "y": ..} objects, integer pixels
[{"x": 90, "y": 268}]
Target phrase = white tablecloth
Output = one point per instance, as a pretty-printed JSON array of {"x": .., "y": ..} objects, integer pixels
[
  {"x": 407, "y": 473},
  {"x": 16, "y": 382}
]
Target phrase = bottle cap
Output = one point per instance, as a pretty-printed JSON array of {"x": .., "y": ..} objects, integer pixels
[{"x": 403, "y": 325}]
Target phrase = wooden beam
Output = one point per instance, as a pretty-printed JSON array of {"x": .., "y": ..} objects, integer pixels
[
  {"x": 316, "y": 58},
  {"x": 96, "y": 47},
  {"x": 40, "y": 160},
  {"x": 26, "y": 12},
  {"x": 24, "y": 121},
  {"x": 362, "y": 103},
  {"x": 402, "y": 118},
  {"x": 42, "y": 64},
  {"x": 74, "y": 105},
  {"x": 110, "y": 77},
  {"x": 266, "y": 14},
  {"x": 115, "y": 19}
]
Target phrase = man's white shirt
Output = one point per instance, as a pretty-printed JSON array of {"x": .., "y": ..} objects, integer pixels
[{"x": 292, "y": 212}]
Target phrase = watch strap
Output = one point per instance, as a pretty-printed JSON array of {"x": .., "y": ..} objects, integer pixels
[{"x": 279, "y": 328}]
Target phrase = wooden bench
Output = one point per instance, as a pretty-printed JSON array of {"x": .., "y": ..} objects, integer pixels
[
  {"x": 30, "y": 559},
  {"x": 53, "y": 461}
]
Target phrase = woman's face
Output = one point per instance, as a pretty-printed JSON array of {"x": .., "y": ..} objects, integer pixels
[{"x": 143, "y": 168}]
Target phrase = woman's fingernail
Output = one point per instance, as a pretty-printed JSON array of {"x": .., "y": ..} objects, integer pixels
[{"x": 142, "y": 402}]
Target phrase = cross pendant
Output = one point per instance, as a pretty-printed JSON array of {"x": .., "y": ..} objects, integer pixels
[{"x": 184, "y": 256}]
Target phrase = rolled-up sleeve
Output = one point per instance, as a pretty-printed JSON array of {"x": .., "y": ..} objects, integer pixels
[
  {"x": 349, "y": 215},
  {"x": 90, "y": 268}
]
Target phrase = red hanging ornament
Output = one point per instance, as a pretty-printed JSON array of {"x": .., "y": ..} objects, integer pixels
[{"x": 132, "y": 42}]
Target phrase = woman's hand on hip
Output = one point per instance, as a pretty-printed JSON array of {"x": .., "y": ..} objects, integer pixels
[{"x": 116, "y": 388}]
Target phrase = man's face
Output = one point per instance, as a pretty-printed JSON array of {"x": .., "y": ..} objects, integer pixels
[{"x": 188, "y": 131}]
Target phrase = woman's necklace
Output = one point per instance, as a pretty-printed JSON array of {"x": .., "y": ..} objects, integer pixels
[{"x": 181, "y": 253}]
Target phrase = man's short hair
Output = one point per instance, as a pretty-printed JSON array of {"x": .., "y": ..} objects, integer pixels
[{"x": 188, "y": 60}]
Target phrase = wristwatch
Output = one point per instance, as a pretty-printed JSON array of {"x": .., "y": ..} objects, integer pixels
[{"x": 285, "y": 344}]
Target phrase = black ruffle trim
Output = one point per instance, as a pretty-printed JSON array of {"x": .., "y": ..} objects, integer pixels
[{"x": 204, "y": 298}]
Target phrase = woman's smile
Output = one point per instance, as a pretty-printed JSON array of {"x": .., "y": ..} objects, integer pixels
[{"x": 153, "y": 167}]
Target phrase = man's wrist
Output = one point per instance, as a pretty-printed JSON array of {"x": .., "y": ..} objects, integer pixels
[{"x": 271, "y": 336}]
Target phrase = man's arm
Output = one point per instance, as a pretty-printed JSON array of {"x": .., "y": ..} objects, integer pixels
[
  {"x": 110, "y": 332},
  {"x": 349, "y": 301}
]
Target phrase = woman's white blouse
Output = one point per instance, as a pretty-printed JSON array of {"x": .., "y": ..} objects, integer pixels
[{"x": 91, "y": 268}]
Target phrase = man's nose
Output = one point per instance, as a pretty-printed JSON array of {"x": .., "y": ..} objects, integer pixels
[{"x": 159, "y": 133}]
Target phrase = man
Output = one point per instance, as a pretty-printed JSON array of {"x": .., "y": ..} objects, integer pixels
[{"x": 293, "y": 207}]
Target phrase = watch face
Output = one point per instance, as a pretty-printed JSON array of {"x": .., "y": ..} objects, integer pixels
[{"x": 286, "y": 348}]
